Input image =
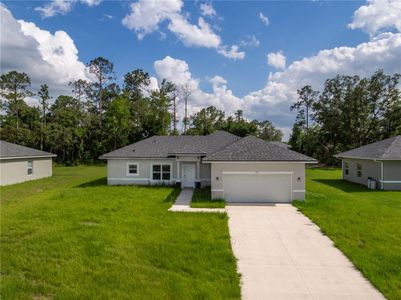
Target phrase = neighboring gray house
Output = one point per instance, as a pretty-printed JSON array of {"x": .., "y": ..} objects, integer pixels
[
  {"x": 20, "y": 163},
  {"x": 238, "y": 169},
  {"x": 380, "y": 161}
]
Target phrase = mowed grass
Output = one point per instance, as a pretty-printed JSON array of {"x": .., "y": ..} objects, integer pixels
[
  {"x": 202, "y": 198},
  {"x": 73, "y": 237},
  {"x": 364, "y": 224}
]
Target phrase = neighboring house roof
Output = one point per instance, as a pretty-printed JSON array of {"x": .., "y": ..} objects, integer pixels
[
  {"x": 388, "y": 149},
  {"x": 165, "y": 146},
  {"x": 280, "y": 144},
  {"x": 10, "y": 151},
  {"x": 251, "y": 148}
]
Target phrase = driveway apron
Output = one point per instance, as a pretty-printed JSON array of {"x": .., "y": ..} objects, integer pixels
[{"x": 283, "y": 255}]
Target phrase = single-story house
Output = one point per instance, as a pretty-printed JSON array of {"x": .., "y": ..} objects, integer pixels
[
  {"x": 238, "y": 169},
  {"x": 20, "y": 163},
  {"x": 380, "y": 161}
]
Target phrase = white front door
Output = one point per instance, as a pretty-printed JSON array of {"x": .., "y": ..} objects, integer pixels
[{"x": 188, "y": 175}]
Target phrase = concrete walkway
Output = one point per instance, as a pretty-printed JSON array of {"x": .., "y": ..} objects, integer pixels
[
  {"x": 183, "y": 202},
  {"x": 283, "y": 255}
]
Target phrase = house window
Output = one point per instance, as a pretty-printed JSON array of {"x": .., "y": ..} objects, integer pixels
[
  {"x": 132, "y": 169},
  {"x": 358, "y": 170},
  {"x": 346, "y": 168},
  {"x": 161, "y": 172},
  {"x": 29, "y": 168}
]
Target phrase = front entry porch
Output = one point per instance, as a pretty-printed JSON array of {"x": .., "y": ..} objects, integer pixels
[{"x": 188, "y": 172}]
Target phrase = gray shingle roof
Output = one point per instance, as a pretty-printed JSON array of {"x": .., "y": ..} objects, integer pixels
[
  {"x": 251, "y": 148},
  {"x": 164, "y": 146},
  {"x": 10, "y": 150},
  {"x": 387, "y": 149}
]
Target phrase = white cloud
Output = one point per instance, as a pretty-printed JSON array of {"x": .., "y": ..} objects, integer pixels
[
  {"x": 250, "y": 41},
  {"x": 232, "y": 52},
  {"x": 207, "y": 10},
  {"x": 146, "y": 16},
  {"x": 378, "y": 15},
  {"x": 45, "y": 57},
  {"x": 200, "y": 35},
  {"x": 61, "y": 7},
  {"x": 276, "y": 60},
  {"x": 273, "y": 101},
  {"x": 177, "y": 71},
  {"x": 264, "y": 19}
]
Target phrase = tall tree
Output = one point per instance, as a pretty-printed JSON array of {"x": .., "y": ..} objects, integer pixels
[
  {"x": 44, "y": 105},
  {"x": 117, "y": 119},
  {"x": 268, "y": 132},
  {"x": 307, "y": 97},
  {"x": 103, "y": 71},
  {"x": 14, "y": 88},
  {"x": 186, "y": 91},
  {"x": 135, "y": 82},
  {"x": 206, "y": 121}
]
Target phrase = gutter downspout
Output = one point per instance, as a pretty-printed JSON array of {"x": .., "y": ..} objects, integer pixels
[{"x": 382, "y": 176}]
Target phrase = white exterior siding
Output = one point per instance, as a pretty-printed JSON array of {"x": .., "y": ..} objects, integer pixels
[
  {"x": 297, "y": 171},
  {"x": 117, "y": 171},
  {"x": 370, "y": 168},
  {"x": 15, "y": 170}
]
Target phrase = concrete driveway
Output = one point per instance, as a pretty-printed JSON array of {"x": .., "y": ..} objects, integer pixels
[{"x": 283, "y": 255}]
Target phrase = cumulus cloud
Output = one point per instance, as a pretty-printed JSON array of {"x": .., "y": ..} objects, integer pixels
[
  {"x": 200, "y": 35},
  {"x": 232, "y": 52},
  {"x": 207, "y": 10},
  {"x": 45, "y": 57},
  {"x": 273, "y": 101},
  {"x": 61, "y": 7},
  {"x": 264, "y": 19},
  {"x": 276, "y": 60},
  {"x": 146, "y": 16},
  {"x": 177, "y": 71},
  {"x": 378, "y": 15}
]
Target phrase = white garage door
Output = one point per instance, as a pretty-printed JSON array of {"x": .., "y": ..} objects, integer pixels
[{"x": 257, "y": 187}]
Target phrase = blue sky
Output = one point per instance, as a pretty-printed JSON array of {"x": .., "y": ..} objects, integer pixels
[{"x": 353, "y": 33}]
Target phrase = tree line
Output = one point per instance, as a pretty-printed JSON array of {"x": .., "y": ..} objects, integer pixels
[
  {"x": 349, "y": 112},
  {"x": 100, "y": 115}
]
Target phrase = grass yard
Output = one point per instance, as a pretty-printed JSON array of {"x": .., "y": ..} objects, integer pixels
[
  {"x": 202, "y": 198},
  {"x": 364, "y": 224},
  {"x": 72, "y": 236}
]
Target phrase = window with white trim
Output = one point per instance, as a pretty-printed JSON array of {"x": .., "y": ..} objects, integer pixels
[
  {"x": 29, "y": 168},
  {"x": 346, "y": 168},
  {"x": 358, "y": 170},
  {"x": 161, "y": 172},
  {"x": 132, "y": 169}
]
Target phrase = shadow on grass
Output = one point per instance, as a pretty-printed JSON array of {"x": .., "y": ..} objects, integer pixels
[
  {"x": 345, "y": 186},
  {"x": 94, "y": 183}
]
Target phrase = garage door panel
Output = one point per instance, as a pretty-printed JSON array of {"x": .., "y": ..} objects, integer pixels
[{"x": 257, "y": 187}]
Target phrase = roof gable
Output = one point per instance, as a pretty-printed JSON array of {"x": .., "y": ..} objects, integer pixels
[
  {"x": 10, "y": 150},
  {"x": 386, "y": 149},
  {"x": 251, "y": 148}
]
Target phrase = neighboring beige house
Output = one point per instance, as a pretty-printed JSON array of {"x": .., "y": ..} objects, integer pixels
[
  {"x": 380, "y": 161},
  {"x": 237, "y": 169},
  {"x": 20, "y": 163}
]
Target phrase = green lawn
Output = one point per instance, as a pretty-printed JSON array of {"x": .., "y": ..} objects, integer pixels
[
  {"x": 72, "y": 236},
  {"x": 202, "y": 198},
  {"x": 364, "y": 224}
]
